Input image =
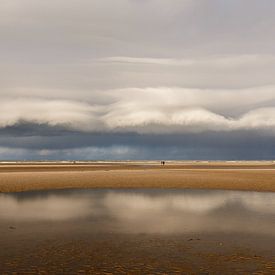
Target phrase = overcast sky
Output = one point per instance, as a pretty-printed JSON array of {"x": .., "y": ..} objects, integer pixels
[{"x": 137, "y": 79}]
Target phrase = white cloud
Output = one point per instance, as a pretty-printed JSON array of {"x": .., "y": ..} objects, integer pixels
[
  {"x": 218, "y": 100},
  {"x": 192, "y": 120},
  {"x": 70, "y": 114},
  {"x": 210, "y": 62},
  {"x": 150, "y": 110}
]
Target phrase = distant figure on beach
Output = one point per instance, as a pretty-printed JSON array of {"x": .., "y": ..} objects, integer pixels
[{"x": 162, "y": 162}]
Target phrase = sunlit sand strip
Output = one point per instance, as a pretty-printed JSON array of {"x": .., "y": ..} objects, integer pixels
[{"x": 233, "y": 179}]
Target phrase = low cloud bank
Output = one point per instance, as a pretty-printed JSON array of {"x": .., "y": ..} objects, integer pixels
[{"x": 149, "y": 111}]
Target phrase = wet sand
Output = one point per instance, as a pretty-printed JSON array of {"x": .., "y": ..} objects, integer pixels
[
  {"x": 256, "y": 176},
  {"x": 126, "y": 254},
  {"x": 137, "y": 232}
]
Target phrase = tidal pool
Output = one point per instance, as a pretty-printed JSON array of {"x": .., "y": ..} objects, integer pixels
[
  {"x": 145, "y": 211},
  {"x": 150, "y": 222}
]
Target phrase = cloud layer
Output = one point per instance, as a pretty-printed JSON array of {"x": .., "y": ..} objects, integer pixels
[
  {"x": 150, "y": 110},
  {"x": 105, "y": 75}
]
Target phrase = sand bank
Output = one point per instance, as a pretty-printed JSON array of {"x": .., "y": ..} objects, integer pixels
[{"x": 256, "y": 176}]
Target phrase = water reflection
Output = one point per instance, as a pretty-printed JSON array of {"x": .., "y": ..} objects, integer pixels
[{"x": 147, "y": 211}]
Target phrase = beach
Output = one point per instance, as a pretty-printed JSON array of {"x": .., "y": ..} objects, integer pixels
[
  {"x": 253, "y": 176},
  {"x": 137, "y": 217}
]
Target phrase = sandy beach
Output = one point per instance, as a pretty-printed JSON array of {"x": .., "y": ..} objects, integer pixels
[
  {"x": 113, "y": 230},
  {"x": 255, "y": 176}
]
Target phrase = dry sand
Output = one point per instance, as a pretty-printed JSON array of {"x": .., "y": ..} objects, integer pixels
[{"x": 256, "y": 176}]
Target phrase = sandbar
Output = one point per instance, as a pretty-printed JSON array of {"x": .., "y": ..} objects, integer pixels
[{"x": 26, "y": 176}]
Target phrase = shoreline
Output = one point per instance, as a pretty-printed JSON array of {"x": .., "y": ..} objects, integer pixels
[{"x": 245, "y": 176}]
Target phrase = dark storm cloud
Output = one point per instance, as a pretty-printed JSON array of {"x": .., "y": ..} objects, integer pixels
[
  {"x": 106, "y": 79},
  {"x": 52, "y": 143}
]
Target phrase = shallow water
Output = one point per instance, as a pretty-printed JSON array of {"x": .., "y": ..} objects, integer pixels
[
  {"x": 146, "y": 211},
  {"x": 208, "y": 219}
]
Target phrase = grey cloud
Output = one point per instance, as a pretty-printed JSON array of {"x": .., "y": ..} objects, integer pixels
[{"x": 64, "y": 145}]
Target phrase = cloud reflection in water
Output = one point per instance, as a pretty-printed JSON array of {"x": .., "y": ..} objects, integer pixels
[{"x": 148, "y": 211}]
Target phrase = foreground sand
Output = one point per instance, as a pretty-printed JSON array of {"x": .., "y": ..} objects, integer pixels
[
  {"x": 130, "y": 254},
  {"x": 256, "y": 176},
  {"x": 88, "y": 246}
]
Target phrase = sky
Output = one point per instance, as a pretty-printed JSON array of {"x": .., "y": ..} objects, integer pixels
[{"x": 137, "y": 79}]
